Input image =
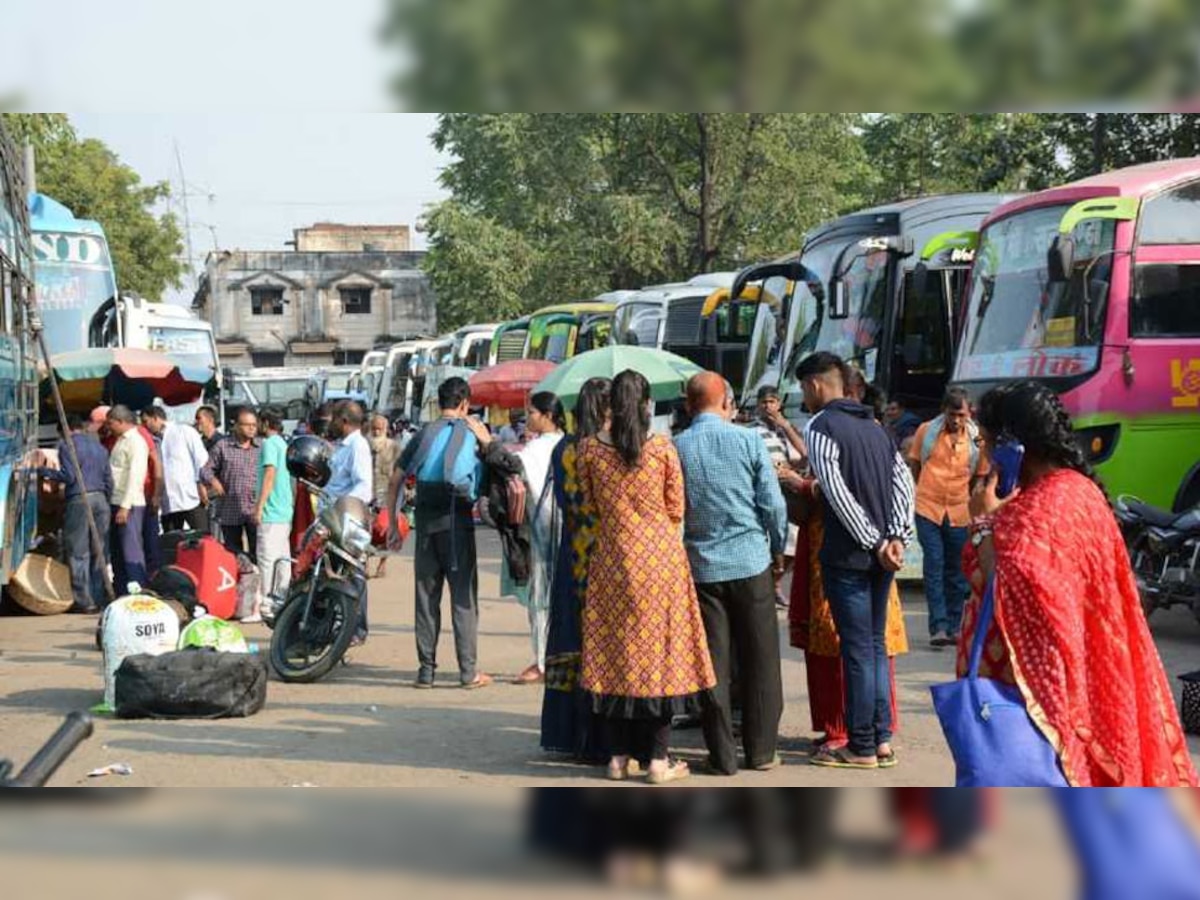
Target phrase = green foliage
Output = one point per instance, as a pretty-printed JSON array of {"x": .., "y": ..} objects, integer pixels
[
  {"x": 90, "y": 179},
  {"x": 605, "y": 201}
]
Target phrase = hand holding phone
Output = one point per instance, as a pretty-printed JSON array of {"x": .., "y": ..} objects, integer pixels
[{"x": 1007, "y": 460}]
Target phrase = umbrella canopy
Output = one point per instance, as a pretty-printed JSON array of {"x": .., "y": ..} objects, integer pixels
[
  {"x": 126, "y": 375},
  {"x": 508, "y": 384},
  {"x": 666, "y": 372}
]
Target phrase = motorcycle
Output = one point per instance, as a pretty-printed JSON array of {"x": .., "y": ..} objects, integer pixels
[
  {"x": 1164, "y": 548},
  {"x": 74, "y": 731},
  {"x": 314, "y": 623}
]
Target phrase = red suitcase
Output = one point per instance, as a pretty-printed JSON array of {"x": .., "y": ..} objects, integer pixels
[{"x": 216, "y": 572}]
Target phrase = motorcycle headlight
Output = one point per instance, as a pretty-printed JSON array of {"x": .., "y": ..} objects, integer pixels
[{"x": 355, "y": 536}]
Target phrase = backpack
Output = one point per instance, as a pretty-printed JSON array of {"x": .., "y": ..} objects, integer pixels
[
  {"x": 448, "y": 455},
  {"x": 934, "y": 431}
]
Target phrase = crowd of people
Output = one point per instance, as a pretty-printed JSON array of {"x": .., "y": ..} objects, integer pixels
[
  {"x": 147, "y": 478},
  {"x": 653, "y": 568}
]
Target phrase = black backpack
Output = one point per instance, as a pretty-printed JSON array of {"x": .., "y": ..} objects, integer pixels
[{"x": 196, "y": 683}]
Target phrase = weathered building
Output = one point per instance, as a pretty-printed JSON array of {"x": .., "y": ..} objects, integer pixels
[{"x": 342, "y": 291}]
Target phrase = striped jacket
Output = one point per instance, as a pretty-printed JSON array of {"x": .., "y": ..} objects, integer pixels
[{"x": 866, "y": 486}]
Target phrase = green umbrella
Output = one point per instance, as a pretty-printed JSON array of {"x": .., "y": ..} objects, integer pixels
[{"x": 666, "y": 372}]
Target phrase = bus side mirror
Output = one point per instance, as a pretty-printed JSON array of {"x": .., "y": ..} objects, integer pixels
[
  {"x": 1060, "y": 259},
  {"x": 839, "y": 307}
]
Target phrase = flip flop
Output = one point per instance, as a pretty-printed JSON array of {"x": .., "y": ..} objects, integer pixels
[
  {"x": 840, "y": 759},
  {"x": 481, "y": 680},
  {"x": 887, "y": 760},
  {"x": 675, "y": 771}
]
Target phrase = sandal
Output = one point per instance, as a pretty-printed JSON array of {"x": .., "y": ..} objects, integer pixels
[
  {"x": 619, "y": 773},
  {"x": 841, "y": 759},
  {"x": 480, "y": 680},
  {"x": 675, "y": 771},
  {"x": 887, "y": 760},
  {"x": 532, "y": 675}
]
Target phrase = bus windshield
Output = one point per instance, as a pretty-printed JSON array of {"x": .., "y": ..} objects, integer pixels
[
  {"x": 190, "y": 346},
  {"x": 553, "y": 343},
  {"x": 638, "y": 324},
  {"x": 856, "y": 337},
  {"x": 74, "y": 278},
  {"x": 1018, "y": 323}
]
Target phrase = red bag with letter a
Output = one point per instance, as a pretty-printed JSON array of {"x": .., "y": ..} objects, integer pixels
[{"x": 216, "y": 572}]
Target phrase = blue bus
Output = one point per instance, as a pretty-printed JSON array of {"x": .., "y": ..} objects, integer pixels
[
  {"x": 18, "y": 368},
  {"x": 73, "y": 271}
]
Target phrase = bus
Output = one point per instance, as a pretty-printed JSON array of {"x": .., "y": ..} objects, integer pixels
[
  {"x": 285, "y": 388},
  {"x": 74, "y": 275},
  {"x": 508, "y": 341},
  {"x": 396, "y": 382},
  {"x": 557, "y": 333},
  {"x": 18, "y": 367},
  {"x": 695, "y": 319},
  {"x": 878, "y": 288},
  {"x": 1093, "y": 288}
]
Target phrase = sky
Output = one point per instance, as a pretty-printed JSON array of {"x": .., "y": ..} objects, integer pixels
[
  {"x": 252, "y": 178},
  {"x": 278, "y": 108}
]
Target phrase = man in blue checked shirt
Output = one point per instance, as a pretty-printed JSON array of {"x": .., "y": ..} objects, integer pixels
[{"x": 735, "y": 531}]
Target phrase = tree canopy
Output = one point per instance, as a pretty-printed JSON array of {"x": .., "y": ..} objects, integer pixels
[
  {"x": 89, "y": 178},
  {"x": 549, "y": 208}
]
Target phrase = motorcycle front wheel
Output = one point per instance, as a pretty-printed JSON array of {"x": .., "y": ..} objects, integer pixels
[{"x": 305, "y": 653}]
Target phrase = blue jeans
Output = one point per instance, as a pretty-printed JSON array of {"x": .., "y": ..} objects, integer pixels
[
  {"x": 87, "y": 568},
  {"x": 946, "y": 588},
  {"x": 858, "y": 601}
]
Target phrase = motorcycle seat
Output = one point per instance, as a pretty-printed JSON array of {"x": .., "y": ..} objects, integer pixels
[{"x": 1161, "y": 518}]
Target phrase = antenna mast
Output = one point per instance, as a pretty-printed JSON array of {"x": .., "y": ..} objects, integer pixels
[{"x": 187, "y": 219}]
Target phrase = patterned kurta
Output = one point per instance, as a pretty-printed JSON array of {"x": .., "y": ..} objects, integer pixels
[{"x": 643, "y": 638}]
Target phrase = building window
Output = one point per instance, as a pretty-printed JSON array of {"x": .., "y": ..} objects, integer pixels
[
  {"x": 348, "y": 357},
  {"x": 266, "y": 301},
  {"x": 262, "y": 359},
  {"x": 356, "y": 301}
]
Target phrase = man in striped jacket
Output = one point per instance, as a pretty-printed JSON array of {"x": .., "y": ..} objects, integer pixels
[{"x": 867, "y": 491}]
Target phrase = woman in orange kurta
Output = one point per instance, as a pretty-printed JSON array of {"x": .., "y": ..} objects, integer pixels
[
  {"x": 811, "y": 628},
  {"x": 1068, "y": 628},
  {"x": 645, "y": 656}
]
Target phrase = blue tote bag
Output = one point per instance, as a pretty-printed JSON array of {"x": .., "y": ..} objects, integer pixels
[{"x": 991, "y": 736}]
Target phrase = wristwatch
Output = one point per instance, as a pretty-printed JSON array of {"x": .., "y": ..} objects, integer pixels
[{"x": 979, "y": 536}]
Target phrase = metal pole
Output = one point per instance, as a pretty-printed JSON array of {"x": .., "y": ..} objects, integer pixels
[{"x": 34, "y": 322}]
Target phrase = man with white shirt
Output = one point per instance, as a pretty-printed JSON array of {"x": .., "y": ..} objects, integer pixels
[
  {"x": 183, "y": 456},
  {"x": 130, "y": 460}
]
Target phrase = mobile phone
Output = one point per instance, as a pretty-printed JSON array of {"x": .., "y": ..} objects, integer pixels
[{"x": 1007, "y": 459}]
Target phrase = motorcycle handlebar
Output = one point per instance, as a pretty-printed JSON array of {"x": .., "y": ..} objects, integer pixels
[{"x": 71, "y": 733}]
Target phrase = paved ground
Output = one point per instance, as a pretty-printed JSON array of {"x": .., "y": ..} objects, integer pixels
[{"x": 366, "y": 726}]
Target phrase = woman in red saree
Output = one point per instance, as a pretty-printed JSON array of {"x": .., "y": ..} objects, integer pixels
[{"x": 1068, "y": 629}]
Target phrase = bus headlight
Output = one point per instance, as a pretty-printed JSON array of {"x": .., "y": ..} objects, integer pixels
[{"x": 1098, "y": 442}]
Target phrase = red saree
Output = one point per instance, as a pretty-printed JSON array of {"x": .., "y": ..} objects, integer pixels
[{"x": 1070, "y": 633}]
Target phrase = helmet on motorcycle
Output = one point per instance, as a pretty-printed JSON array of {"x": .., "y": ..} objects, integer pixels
[{"x": 308, "y": 459}]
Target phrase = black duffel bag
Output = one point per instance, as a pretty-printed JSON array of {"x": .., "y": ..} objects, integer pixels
[{"x": 196, "y": 683}]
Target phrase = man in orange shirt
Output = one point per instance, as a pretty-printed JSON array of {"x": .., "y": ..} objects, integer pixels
[{"x": 945, "y": 459}]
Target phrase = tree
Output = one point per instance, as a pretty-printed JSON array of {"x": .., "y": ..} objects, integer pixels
[
  {"x": 90, "y": 179},
  {"x": 606, "y": 201}
]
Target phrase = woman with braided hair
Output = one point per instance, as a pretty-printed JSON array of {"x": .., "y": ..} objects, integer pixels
[{"x": 1068, "y": 628}]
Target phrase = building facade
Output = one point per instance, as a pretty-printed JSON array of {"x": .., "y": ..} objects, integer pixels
[{"x": 342, "y": 290}]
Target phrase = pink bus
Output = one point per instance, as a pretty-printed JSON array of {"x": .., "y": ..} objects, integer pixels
[{"x": 1094, "y": 289}]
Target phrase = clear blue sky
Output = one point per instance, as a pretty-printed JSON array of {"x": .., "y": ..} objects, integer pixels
[{"x": 276, "y": 106}]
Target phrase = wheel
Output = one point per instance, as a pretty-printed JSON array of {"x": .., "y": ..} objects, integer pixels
[{"x": 309, "y": 656}]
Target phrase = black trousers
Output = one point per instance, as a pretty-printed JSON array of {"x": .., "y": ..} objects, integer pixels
[
  {"x": 194, "y": 519},
  {"x": 639, "y": 737},
  {"x": 740, "y": 620},
  {"x": 231, "y": 537}
]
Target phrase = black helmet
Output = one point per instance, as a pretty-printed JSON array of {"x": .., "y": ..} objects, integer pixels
[{"x": 308, "y": 459}]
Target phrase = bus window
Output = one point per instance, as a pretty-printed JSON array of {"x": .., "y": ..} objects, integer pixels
[
  {"x": 1166, "y": 301},
  {"x": 554, "y": 346}
]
